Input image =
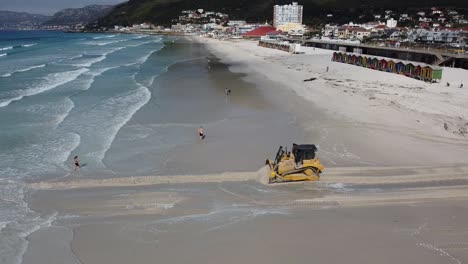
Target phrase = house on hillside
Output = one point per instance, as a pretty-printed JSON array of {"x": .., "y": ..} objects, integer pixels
[{"x": 358, "y": 33}]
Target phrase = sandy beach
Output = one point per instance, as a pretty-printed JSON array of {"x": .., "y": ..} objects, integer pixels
[{"x": 395, "y": 188}]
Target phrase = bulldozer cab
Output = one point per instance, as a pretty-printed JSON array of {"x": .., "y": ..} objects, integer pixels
[{"x": 303, "y": 152}]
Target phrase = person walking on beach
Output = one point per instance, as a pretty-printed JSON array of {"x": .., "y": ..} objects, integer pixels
[
  {"x": 327, "y": 68},
  {"x": 227, "y": 91},
  {"x": 201, "y": 134},
  {"x": 461, "y": 85},
  {"x": 76, "y": 163}
]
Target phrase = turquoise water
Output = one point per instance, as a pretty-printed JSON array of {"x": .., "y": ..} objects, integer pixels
[
  {"x": 63, "y": 95},
  {"x": 69, "y": 92}
]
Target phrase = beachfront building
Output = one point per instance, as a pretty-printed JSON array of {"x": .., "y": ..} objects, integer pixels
[
  {"x": 292, "y": 28},
  {"x": 283, "y": 14}
]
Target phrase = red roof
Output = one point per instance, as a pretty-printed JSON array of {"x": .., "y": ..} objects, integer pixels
[
  {"x": 276, "y": 32},
  {"x": 359, "y": 29},
  {"x": 260, "y": 31}
]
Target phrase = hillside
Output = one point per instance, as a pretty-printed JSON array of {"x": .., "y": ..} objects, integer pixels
[
  {"x": 73, "y": 16},
  {"x": 8, "y": 18},
  {"x": 163, "y": 11}
]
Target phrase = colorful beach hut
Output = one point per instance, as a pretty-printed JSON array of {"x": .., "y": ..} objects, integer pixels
[
  {"x": 364, "y": 61},
  {"x": 436, "y": 74},
  {"x": 335, "y": 56},
  {"x": 417, "y": 72},
  {"x": 432, "y": 74},
  {"x": 343, "y": 57},
  {"x": 374, "y": 64},
  {"x": 426, "y": 73},
  {"x": 359, "y": 60},
  {"x": 400, "y": 67},
  {"x": 409, "y": 69},
  {"x": 421, "y": 72},
  {"x": 383, "y": 65},
  {"x": 391, "y": 66}
]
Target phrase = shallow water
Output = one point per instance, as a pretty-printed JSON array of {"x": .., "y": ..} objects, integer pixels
[{"x": 62, "y": 94}]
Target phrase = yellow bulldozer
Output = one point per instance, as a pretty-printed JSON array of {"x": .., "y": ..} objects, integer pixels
[{"x": 301, "y": 164}]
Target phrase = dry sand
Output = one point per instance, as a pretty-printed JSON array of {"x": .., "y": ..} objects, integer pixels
[{"x": 394, "y": 191}]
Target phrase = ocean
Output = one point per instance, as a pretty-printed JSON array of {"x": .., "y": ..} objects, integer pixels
[{"x": 63, "y": 95}]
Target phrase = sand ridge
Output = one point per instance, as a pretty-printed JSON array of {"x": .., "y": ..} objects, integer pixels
[{"x": 429, "y": 183}]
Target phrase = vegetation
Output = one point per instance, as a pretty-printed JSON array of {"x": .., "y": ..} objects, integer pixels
[{"x": 163, "y": 12}]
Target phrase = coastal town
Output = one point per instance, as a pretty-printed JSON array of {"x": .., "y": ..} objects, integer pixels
[
  {"x": 441, "y": 35},
  {"x": 434, "y": 27}
]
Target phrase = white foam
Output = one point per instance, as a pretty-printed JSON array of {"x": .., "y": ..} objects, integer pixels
[
  {"x": 28, "y": 45},
  {"x": 6, "y": 48},
  {"x": 3, "y": 225},
  {"x": 45, "y": 223},
  {"x": 165, "y": 206},
  {"x": 2, "y": 54},
  {"x": 145, "y": 58},
  {"x": 9, "y": 101},
  {"x": 97, "y": 59},
  {"x": 134, "y": 100},
  {"x": 90, "y": 62},
  {"x": 69, "y": 106},
  {"x": 31, "y": 68},
  {"x": 338, "y": 186},
  {"x": 18, "y": 221},
  {"x": 104, "y": 37},
  {"x": 217, "y": 219},
  {"x": 23, "y": 70},
  {"x": 95, "y": 73},
  {"x": 105, "y": 43},
  {"x": 440, "y": 251},
  {"x": 50, "y": 82}
]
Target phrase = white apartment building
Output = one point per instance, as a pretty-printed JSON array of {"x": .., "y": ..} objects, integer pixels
[
  {"x": 283, "y": 14},
  {"x": 391, "y": 23}
]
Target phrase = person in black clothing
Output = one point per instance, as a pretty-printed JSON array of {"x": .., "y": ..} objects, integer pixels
[{"x": 76, "y": 163}]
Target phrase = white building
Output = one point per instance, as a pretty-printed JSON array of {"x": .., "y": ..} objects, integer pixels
[
  {"x": 391, "y": 23},
  {"x": 283, "y": 14},
  {"x": 236, "y": 23}
]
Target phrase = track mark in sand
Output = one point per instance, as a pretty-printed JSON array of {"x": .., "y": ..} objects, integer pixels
[
  {"x": 412, "y": 231},
  {"x": 440, "y": 251},
  {"x": 309, "y": 203},
  {"x": 460, "y": 245}
]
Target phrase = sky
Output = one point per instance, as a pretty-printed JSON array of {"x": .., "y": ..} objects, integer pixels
[{"x": 49, "y": 7}]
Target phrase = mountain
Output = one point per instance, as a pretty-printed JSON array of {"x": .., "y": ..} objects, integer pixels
[
  {"x": 163, "y": 11},
  {"x": 73, "y": 16},
  {"x": 9, "y": 18}
]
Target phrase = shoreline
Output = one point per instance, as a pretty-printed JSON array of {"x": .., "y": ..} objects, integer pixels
[{"x": 397, "y": 195}]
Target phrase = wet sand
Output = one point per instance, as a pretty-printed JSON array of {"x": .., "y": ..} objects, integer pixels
[
  {"x": 385, "y": 197},
  {"x": 233, "y": 222}
]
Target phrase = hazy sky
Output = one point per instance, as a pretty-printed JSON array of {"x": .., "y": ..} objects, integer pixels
[{"x": 48, "y": 7}]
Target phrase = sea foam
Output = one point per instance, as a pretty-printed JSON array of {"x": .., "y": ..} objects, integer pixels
[
  {"x": 50, "y": 82},
  {"x": 23, "y": 70}
]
